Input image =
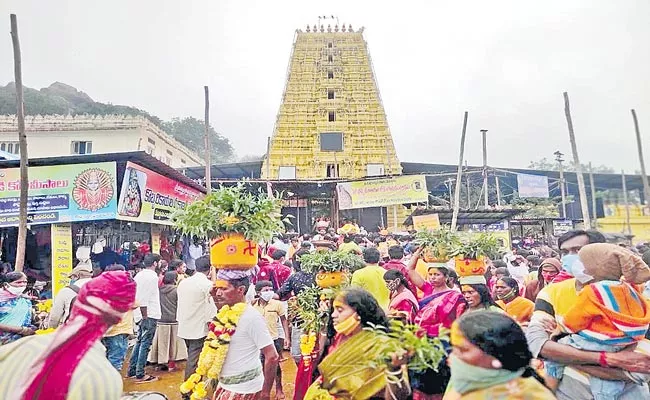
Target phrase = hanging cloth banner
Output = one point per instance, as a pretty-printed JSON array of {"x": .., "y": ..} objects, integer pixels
[
  {"x": 532, "y": 186},
  {"x": 382, "y": 192}
]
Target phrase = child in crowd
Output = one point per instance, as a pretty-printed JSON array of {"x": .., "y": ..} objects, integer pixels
[{"x": 610, "y": 313}]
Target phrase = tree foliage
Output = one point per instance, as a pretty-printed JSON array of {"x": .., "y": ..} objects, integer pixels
[
  {"x": 62, "y": 99},
  {"x": 545, "y": 165},
  {"x": 191, "y": 131}
]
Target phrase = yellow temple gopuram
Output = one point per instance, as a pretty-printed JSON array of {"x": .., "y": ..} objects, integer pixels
[{"x": 331, "y": 123}]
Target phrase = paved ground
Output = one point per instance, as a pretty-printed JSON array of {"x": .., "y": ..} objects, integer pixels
[{"x": 169, "y": 382}]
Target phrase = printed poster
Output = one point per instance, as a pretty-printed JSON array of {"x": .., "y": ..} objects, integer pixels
[
  {"x": 532, "y": 186},
  {"x": 61, "y": 256},
  {"x": 426, "y": 222},
  {"x": 147, "y": 196},
  {"x": 382, "y": 192},
  {"x": 60, "y": 193}
]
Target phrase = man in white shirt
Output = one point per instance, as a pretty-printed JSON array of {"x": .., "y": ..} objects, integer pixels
[
  {"x": 242, "y": 375},
  {"x": 146, "y": 317},
  {"x": 195, "y": 309},
  {"x": 79, "y": 276}
]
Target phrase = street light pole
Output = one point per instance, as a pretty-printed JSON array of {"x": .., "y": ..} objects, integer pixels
[
  {"x": 560, "y": 160},
  {"x": 485, "y": 173}
]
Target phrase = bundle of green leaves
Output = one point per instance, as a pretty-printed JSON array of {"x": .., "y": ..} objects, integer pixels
[
  {"x": 233, "y": 210},
  {"x": 423, "y": 352},
  {"x": 331, "y": 261},
  {"x": 440, "y": 242},
  {"x": 475, "y": 246}
]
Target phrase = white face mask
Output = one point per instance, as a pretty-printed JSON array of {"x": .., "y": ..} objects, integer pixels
[
  {"x": 266, "y": 296},
  {"x": 16, "y": 290},
  {"x": 578, "y": 270}
]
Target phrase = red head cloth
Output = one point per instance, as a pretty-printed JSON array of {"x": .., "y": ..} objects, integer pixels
[{"x": 100, "y": 303}]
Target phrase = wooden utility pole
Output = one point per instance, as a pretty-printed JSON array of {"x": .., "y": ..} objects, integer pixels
[
  {"x": 581, "y": 180},
  {"x": 206, "y": 139},
  {"x": 486, "y": 204},
  {"x": 459, "y": 174},
  {"x": 644, "y": 176},
  {"x": 22, "y": 144},
  {"x": 627, "y": 204},
  {"x": 560, "y": 160},
  {"x": 593, "y": 196}
]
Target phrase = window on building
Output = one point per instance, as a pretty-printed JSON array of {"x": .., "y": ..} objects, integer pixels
[
  {"x": 330, "y": 58},
  {"x": 10, "y": 147},
  {"x": 332, "y": 170},
  {"x": 330, "y": 94},
  {"x": 150, "y": 140},
  {"x": 170, "y": 152},
  {"x": 375, "y": 169},
  {"x": 330, "y": 74},
  {"x": 331, "y": 141},
  {"x": 331, "y": 116},
  {"x": 82, "y": 147},
  {"x": 330, "y": 45},
  {"x": 183, "y": 161},
  {"x": 287, "y": 172}
]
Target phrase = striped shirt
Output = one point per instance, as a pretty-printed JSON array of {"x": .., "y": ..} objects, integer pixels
[
  {"x": 94, "y": 378},
  {"x": 608, "y": 312}
]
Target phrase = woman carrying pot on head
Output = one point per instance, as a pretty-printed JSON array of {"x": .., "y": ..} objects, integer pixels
[
  {"x": 403, "y": 304},
  {"x": 15, "y": 309},
  {"x": 490, "y": 360},
  {"x": 439, "y": 308},
  {"x": 440, "y": 304},
  {"x": 547, "y": 271},
  {"x": 519, "y": 308},
  {"x": 349, "y": 371}
]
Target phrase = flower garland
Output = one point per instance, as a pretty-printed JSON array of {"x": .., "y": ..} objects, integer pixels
[
  {"x": 214, "y": 351},
  {"x": 307, "y": 344}
]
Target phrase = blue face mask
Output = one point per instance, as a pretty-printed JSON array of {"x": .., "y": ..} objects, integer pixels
[{"x": 567, "y": 262}]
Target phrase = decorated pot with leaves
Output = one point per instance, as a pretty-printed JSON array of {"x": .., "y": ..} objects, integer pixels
[
  {"x": 472, "y": 250},
  {"x": 437, "y": 244},
  {"x": 235, "y": 219},
  {"x": 330, "y": 279}
]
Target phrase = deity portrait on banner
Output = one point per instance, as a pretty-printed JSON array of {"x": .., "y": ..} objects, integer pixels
[{"x": 93, "y": 189}]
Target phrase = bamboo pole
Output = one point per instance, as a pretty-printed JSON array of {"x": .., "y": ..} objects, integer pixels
[
  {"x": 627, "y": 204},
  {"x": 496, "y": 182},
  {"x": 206, "y": 139},
  {"x": 593, "y": 196},
  {"x": 639, "y": 146},
  {"x": 22, "y": 143},
  {"x": 459, "y": 174},
  {"x": 581, "y": 180}
]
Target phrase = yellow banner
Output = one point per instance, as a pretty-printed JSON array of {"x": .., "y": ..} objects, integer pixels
[
  {"x": 426, "y": 222},
  {"x": 156, "y": 230},
  {"x": 61, "y": 256},
  {"x": 382, "y": 192}
]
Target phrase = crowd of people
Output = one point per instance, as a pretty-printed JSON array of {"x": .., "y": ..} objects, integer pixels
[{"x": 541, "y": 323}]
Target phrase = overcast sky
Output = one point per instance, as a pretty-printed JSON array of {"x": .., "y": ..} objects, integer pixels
[{"x": 506, "y": 62}]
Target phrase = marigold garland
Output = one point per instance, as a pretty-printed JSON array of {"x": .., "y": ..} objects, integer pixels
[{"x": 214, "y": 352}]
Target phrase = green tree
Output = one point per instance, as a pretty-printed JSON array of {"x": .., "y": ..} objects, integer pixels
[
  {"x": 545, "y": 165},
  {"x": 190, "y": 132}
]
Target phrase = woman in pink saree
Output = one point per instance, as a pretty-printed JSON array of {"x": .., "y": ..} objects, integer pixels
[{"x": 403, "y": 304}]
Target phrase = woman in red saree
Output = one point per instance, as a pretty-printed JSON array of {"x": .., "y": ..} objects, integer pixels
[
  {"x": 439, "y": 308},
  {"x": 403, "y": 304}
]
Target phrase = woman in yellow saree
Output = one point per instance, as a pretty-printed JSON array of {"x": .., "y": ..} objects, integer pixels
[{"x": 350, "y": 370}]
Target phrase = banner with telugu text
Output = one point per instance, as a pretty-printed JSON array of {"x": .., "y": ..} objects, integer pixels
[
  {"x": 147, "y": 196},
  {"x": 61, "y": 236},
  {"x": 382, "y": 192},
  {"x": 60, "y": 193}
]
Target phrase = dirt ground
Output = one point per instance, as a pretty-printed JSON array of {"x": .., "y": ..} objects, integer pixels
[{"x": 169, "y": 382}]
